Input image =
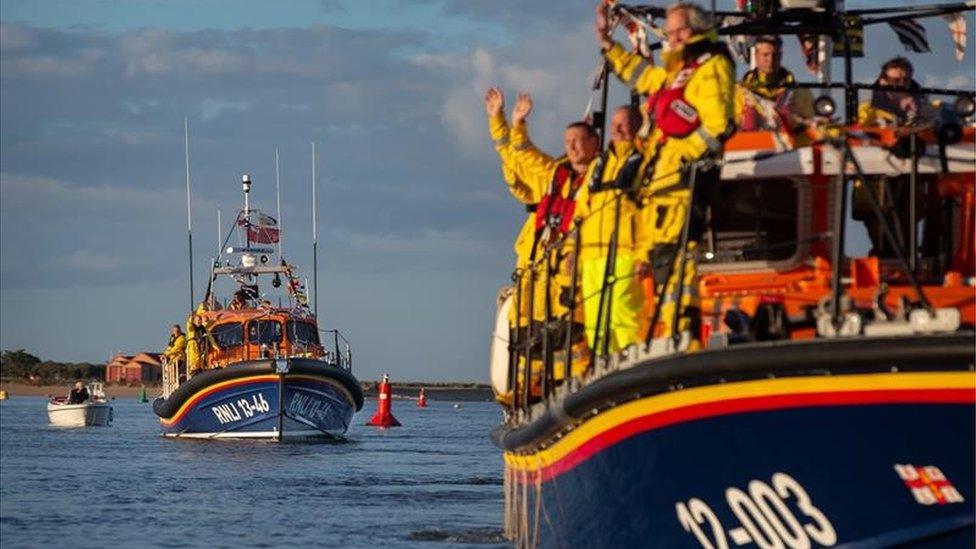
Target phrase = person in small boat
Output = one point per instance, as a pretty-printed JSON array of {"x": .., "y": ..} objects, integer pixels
[
  {"x": 79, "y": 393},
  {"x": 763, "y": 99},
  {"x": 901, "y": 106},
  {"x": 498, "y": 129},
  {"x": 692, "y": 99},
  {"x": 199, "y": 342}
]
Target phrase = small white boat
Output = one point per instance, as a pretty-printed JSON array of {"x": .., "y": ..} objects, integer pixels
[{"x": 94, "y": 411}]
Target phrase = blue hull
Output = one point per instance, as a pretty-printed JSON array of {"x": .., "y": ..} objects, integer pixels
[
  {"x": 835, "y": 467},
  {"x": 678, "y": 455},
  {"x": 255, "y": 401}
]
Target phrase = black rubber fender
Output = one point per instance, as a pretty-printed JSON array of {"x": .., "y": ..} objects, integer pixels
[{"x": 167, "y": 407}]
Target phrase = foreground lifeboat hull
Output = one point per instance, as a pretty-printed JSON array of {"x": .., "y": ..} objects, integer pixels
[
  {"x": 266, "y": 399},
  {"x": 874, "y": 452}
]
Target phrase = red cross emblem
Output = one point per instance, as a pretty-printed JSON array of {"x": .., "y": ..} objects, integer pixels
[{"x": 928, "y": 484}]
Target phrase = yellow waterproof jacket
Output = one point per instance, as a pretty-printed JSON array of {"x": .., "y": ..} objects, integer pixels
[
  {"x": 597, "y": 210},
  {"x": 176, "y": 346},
  {"x": 533, "y": 167},
  {"x": 870, "y": 115},
  {"x": 798, "y": 102},
  {"x": 709, "y": 91},
  {"x": 499, "y": 130}
]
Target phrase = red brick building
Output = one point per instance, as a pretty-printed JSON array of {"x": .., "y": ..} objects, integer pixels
[{"x": 134, "y": 369}]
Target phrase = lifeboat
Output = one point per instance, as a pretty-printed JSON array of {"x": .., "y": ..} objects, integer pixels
[{"x": 833, "y": 400}]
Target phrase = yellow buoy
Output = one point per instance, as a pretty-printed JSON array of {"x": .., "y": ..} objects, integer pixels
[{"x": 3, "y": 395}]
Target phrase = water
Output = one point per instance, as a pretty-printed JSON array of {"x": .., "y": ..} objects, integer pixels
[{"x": 436, "y": 482}]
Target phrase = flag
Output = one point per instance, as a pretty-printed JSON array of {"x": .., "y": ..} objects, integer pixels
[
  {"x": 264, "y": 231},
  {"x": 957, "y": 28},
  {"x": 740, "y": 45},
  {"x": 911, "y": 34},
  {"x": 811, "y": 51}
]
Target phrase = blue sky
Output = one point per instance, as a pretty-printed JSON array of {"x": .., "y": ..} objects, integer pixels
[{"x": 415, "y": 227}]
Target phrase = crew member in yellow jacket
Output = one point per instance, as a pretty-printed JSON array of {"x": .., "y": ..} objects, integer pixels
[
  {"x": 691, "y": 101},
  {"x": 609, "y": 191},
  {"x": 198, "y": 341},
  {"x": 556, "y": 182},
  {"x": 176, "y": 346},
  {"x": 499, "y": 130}
]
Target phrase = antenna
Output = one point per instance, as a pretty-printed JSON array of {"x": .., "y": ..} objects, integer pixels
[
  {"x": 220, "y": 244},
  {"x": 189, "y": 221},
  {"x": 315, "y": 238},
  {"x": 278, "y": 197}
]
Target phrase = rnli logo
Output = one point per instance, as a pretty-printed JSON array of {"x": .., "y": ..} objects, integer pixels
[{"x": 928, "y": 484}]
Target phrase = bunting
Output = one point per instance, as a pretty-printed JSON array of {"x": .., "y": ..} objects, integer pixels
[
  {"x": 957, "y": 29},
  {"x": 911, "y": 34},
  {"x": 740, "y": 45},
  {"x": 809, "y": 43}
]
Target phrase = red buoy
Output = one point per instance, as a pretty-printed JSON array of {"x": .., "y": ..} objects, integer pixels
[
  {"x": 383, "y": 417},
  {"x": 422, "y": 399}
]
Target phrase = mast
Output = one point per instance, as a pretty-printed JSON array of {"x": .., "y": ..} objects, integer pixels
[
  {"x": 189, "y": 219},
  {"x": 278, "y": 198},
  {"x": 315, "y": 238},
  {"x": 220, "y": 244},
  {"x": 246, "y": 184}
]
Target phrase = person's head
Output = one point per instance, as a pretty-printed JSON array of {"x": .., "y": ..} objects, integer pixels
[
  {"x": 175, "y": 330},
  {"x": 683, "y": 21},
  {"x": 79, "y": 385},
  {"x": 624, "y": 123},
  {"x": 896, "y": 72},
  {"x": 769, "y": 54},
  {"x": 581, "y": 142}
]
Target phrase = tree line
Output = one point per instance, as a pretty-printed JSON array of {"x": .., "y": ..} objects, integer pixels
[{"x": 22, "y": 365}]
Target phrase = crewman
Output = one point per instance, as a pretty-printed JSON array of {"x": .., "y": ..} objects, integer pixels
[
  {"x": 609, "y": 191},
  {"x": 691, "y": 99},
  {"x": 499, "y": 130},
  {"x": 557, "y": 182},
  {"x": 895, "y": 106},
  {"x": 199, "y": 341},
  {"x": 176, "y": 347},
  {"x": 763, "y": 98}
]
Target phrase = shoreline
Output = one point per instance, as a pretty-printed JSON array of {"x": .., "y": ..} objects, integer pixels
[{"x": 405, "y": 391}]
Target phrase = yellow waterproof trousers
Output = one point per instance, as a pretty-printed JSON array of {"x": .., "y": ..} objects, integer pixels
[
  {"x": 624, "y": 300},
  {"x": 194, "y": 358},
  {"x": 670, "y": 212}
]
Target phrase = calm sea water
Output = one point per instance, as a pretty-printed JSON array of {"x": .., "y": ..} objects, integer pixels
[{"x": 436, "y": 482}]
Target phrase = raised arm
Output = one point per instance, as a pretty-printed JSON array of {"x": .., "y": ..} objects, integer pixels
[{"x": 532, "y": 166}]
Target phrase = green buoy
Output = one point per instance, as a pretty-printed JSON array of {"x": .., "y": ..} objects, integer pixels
[{"x": 142, "y": 395}]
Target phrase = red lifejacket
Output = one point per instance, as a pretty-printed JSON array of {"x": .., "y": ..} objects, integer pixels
[
  {"x": 672, "y": 114},
  {"x": 556, "y": 210}
]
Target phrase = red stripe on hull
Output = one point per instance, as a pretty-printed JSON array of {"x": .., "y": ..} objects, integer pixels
[
  {"x": 200, "y": 396},
  {"x": 753, "y": 404}
]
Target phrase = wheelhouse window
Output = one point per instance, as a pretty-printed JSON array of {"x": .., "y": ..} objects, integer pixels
[
  {"x": 302, "y": 333},
  {"x": 751, "y": 221},
  {"x": 264, "y": 332},
  {"x": 230, "y": 334}
]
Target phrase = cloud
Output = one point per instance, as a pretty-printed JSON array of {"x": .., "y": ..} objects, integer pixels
[{"x": 415, "y": 225}]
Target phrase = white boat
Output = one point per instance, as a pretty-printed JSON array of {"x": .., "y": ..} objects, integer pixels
[{"x": 96, "y": 411}]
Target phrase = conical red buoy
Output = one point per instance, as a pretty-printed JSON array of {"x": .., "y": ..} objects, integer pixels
[
  {"x": 383, "y": 417},
  {"x": 422, "y": 399}
]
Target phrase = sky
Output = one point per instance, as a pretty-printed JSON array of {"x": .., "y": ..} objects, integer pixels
[{"x": 415, "y": 225}]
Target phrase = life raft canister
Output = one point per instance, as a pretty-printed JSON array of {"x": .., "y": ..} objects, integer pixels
[
  {"x": 672, "y": 114},
  {"x": 555, "y": 210}
]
